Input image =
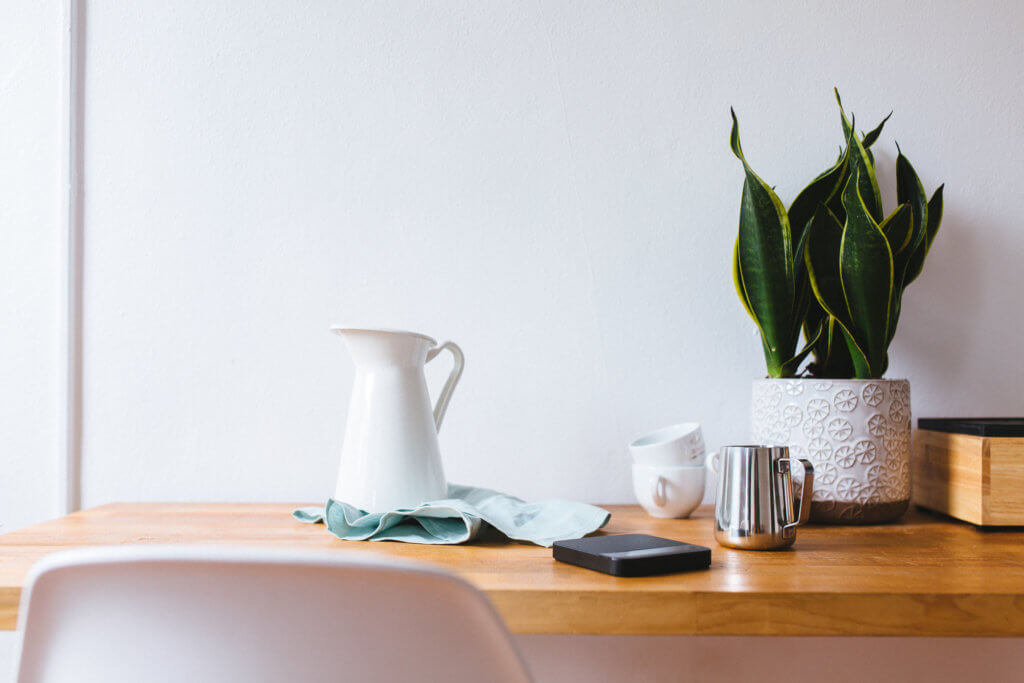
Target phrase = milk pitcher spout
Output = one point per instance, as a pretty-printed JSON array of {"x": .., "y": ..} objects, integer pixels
[{"x": 390, "y": 458}]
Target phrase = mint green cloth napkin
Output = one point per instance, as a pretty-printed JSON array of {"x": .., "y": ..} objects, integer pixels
[{"x": 460, "y": 518}]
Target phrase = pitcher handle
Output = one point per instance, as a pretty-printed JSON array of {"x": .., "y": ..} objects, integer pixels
[
  {"x": 805, "y": 497},
  {"x": 453, "y": 378}
]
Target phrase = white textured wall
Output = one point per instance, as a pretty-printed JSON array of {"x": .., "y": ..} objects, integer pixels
[
  {"x": 549, "y": 184},
  {"x": 31, "y": 193}
]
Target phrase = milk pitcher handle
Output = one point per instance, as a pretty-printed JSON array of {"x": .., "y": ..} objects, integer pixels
[
  {"x": 453, "y": 378},
  {"x": 805, "y": 498}
]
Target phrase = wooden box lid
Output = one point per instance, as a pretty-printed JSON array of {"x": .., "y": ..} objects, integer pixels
[{"x": 975, "y": 426}]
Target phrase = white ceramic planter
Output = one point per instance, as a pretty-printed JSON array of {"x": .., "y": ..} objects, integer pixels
[{"x": 857, "y": 434}]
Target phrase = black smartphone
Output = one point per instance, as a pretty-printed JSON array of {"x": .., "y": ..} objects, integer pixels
[{"x": 632, "y": 554}]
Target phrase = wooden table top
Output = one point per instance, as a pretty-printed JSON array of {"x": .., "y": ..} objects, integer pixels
[{"x": 926, "y": 576}]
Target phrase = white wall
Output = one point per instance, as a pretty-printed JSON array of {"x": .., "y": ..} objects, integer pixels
[
  {"x": 549, "y": 184},
  {"x": 31, "y": 193}
]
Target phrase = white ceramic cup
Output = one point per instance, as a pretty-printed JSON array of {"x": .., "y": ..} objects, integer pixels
[
  {"x": 681, "y": 444},
  {"x": 668, "y": 492}
]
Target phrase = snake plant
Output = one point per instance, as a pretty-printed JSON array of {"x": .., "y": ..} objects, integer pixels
[{"x": 833, "y": 266}]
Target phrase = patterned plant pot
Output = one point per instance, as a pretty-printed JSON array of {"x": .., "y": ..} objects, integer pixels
[{"x": 857, "y": 434}]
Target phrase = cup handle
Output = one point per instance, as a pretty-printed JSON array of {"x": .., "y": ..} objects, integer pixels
[
  {"x": 453, "y": 378},
  {"x": 805, "y": 497},
  {"x": 658, "y": 492},
  {"x": 712, "y": 462}
]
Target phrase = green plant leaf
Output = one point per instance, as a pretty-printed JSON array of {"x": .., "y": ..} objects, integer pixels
[
  {"x": 869, "y": 138},
  {"x": 817, "y": 319},
  {"x": 872, "y": 136},
  {"x": 910, "y": 191},
  {"x": 866, "y": 276},
  {"x": 862, "y": 168},
  {"x": 738, "y": 280},
  {"x": 802, "y": 296},
  {"x": 861, "y": 368},
  {"x": 821, "y": 190},
  {"x": 934, "y": 214},
  {"x": 821, "y": 256},
  {"x": 934, "y": 219},
  {"x": 831, "y": 356},
  {"x": 765, "y": 263},
  {"x": 898, "y": 228},
  {"x": 792, "y": 366}
]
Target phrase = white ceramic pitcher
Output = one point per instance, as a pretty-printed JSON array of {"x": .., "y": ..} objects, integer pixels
[{"x": 390, "y": 458}]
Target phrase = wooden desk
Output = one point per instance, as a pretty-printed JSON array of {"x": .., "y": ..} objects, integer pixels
[{"x": 927, "y": 576}]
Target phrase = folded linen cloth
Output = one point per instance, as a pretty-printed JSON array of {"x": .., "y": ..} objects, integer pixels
[{"x": 460, "y": 518}]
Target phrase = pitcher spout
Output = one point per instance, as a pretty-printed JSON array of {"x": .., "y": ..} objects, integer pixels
[{"x": 379, "y": 347}]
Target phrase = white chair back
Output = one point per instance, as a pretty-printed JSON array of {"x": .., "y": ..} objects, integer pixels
[{"x": 180, "y": 613}]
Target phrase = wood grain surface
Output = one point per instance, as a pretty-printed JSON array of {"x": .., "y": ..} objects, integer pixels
[
  {"x": 926, "y": 576},
  {"x": 979, "y": 479}
]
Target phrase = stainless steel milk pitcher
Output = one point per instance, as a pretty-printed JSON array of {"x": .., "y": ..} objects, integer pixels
[{"x": 754, "y": 509}]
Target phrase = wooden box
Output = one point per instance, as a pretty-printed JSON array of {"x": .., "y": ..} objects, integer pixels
[{"x": 977, "y": 477}]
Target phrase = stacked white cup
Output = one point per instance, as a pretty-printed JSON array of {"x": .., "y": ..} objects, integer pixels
[{"x": 668, "y": 470}]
